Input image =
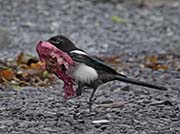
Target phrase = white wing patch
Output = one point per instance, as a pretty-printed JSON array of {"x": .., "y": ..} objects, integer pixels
[
  {"x": 78, "y": 52},
  {"x": 84, "y": 73}
]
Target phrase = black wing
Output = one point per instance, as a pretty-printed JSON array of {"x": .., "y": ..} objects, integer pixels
[{"x": 94, "y": 62}]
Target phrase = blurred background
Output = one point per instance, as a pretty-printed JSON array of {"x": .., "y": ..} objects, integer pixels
[{"x": 98, "y": 26}]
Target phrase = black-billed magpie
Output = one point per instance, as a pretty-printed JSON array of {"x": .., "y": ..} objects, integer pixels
[{"x": 89, "y": 71}]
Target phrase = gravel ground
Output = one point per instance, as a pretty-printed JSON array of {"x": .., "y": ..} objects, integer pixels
[{"x": 138, "y": 110}]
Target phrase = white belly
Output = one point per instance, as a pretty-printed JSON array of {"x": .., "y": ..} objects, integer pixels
[{"x": 83, "y": 73}]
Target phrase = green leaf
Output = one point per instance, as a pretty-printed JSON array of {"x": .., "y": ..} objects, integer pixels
[
  {"x": 117, "y": 19},
  {"x": 15, "y": 85},
  {"x": 31, "y": 56},
  {"x": 45, "y": 74}
]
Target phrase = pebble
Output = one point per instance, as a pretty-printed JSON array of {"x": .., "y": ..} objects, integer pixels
[{"x": 100, "y": 121}]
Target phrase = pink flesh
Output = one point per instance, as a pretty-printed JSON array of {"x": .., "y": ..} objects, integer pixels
[{"x": 47, "y": 51}]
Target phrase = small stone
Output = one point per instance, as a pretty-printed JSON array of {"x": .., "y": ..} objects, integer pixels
[
  {"x": 113, "y": 104},
  {"x": 100, "y": 121},
  {"x": 103, "y": 128},
  {"x": 81, "y": 121}
]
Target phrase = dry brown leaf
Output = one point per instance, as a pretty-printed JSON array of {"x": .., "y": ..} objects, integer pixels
[
  {"x": 38, "y": 65},
  {"x": 21, "y": 58},
  {"x": 150, "y": 60},
  {"x": 153, "y": 63},
  {"x": 7, "y": 74},
  {"x": 25, "y": 70},
  {"x": 164, "y": 67}
]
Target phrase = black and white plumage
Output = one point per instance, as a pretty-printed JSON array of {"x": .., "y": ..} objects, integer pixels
[
  {"x": 81, "y": 72},
  {"x": 90, "y": 71}
]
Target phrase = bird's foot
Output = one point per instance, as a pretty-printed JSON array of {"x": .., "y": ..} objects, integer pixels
[
  {"x": 90, "y": 103},
  {"x": 90, "y": 107}
]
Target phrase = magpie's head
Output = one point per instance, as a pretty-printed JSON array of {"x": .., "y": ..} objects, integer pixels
[{"x": 62, "y": 43}]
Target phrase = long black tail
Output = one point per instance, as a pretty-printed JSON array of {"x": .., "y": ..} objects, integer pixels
[{"x": 141, "y": 83}]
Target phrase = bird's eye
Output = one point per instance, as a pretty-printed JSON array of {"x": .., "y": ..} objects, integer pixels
[
  {"x": 56, "y": 41},
  {"x": 60, "y": 41}
]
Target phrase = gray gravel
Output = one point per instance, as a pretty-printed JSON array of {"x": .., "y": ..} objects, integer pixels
[{"x": 148, "y": 31}]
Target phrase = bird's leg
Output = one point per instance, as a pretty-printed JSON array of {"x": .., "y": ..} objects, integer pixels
[
  {"x": 79, "y": 89},
  {"x": 91, "y": 99}
]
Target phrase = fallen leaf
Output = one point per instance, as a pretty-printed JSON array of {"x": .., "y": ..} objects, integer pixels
[
  {"x": 21, "y": 59},
  {"x": 45, "y": 74},
  {"x": 31, "y": 60},
  {"x": 118, "y": 19},
  {"x": 153, "y": 63},
  {"x": 164, "y": 67},
  {"x": 150, "y": 60},
  {"x": 24, "y": 70},
  {"x": 38, "y": 65},
  {"x": 7, "y": 74}
]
